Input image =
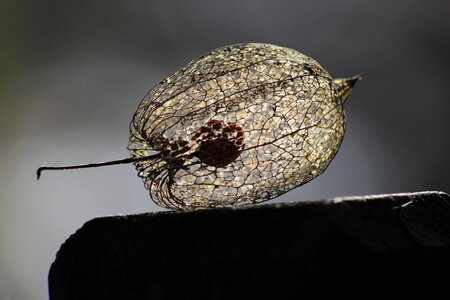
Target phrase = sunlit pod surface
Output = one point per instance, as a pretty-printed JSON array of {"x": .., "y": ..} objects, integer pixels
[{"x": 241, "y": 124}]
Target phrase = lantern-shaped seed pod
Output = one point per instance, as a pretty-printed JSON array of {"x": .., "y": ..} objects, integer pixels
[{"x": 243, "y": 123}]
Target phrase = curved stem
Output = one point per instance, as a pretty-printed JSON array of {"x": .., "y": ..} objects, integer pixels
[{"x": 99, "y": 164}]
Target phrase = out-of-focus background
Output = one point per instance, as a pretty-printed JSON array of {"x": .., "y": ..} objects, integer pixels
[{"x": 73, "y": 72}]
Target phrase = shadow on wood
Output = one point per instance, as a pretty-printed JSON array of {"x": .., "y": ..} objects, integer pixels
[{"x": 372, "y": 247}]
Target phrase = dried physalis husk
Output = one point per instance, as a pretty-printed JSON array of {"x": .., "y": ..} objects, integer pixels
[{"x": 241, "y": 124}]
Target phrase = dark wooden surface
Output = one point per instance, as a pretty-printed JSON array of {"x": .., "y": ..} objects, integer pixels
[{"x": 373, "y": 247}]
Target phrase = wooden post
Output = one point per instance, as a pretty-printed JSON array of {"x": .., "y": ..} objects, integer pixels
[{"x": 372, "y": 247}]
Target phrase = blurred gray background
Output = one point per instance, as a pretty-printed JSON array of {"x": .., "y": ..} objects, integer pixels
[{"x": 72, "y": 74}]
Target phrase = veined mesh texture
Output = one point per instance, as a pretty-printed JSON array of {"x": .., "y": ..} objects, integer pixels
[{"x": 287, "y": 107}]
